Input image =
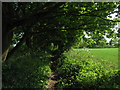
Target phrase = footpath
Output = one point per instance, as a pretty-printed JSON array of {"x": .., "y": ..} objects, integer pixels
[{"x": 53, "y": 79}]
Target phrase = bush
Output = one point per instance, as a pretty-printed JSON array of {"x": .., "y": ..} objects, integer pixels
[
  {"x": 28, "y": 70},
  {"x": 80, "y": 70}
]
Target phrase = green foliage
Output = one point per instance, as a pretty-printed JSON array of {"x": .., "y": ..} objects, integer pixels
[
  {"x": 26, "y": 71},
  {"x": 52, "y": 28},
  {"x": 60, "y": 24},
  {"x": 80, "y": 70}
]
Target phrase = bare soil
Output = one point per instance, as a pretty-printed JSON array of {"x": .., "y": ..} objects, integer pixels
[{"x": 53, "y": 80}]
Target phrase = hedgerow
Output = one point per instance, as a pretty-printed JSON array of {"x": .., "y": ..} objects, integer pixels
[{"x": 80, "y": 70}]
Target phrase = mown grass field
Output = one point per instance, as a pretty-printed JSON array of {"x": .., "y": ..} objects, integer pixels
[{"x": 108, "y": 54}]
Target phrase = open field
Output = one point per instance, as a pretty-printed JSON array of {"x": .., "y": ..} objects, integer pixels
[
  {"x": 110, "y": 54},
  {"x": 107, "y": 54}
]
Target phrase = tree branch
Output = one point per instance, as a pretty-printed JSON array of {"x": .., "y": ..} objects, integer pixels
[
  {"x": 96, "y": 16},
  {"x": 36, "y": 16},
  {"x": 13, "y": 51}
]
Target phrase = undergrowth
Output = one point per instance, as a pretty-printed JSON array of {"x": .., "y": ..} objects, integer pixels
[
  {"x": 26, "y": 70},
  {"x": 81, "y": 70}
]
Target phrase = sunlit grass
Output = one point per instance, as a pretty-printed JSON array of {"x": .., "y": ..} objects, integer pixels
[
  {"x": 110, "y": 54},
  {"x": 107, "y": 54}
]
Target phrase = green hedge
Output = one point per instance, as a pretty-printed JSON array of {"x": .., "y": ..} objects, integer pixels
[{"x": 80, "y": 70}]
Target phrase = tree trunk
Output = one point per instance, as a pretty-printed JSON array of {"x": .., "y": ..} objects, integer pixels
[
  {"x": 6, "y": 29},
  {"x": 6, "y": 41}
]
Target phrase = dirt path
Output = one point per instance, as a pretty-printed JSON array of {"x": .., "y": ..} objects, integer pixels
[{"x": 53, "y": 79}]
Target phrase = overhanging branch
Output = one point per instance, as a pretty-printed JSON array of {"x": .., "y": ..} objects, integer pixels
[
  {"x": 36, "y": 16},
  {"x": 13, "y": 51},
  {"x": 96, "y": 16}
]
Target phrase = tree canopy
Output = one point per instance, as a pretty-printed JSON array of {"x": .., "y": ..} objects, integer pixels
[{"x": 55, "y": 27}]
